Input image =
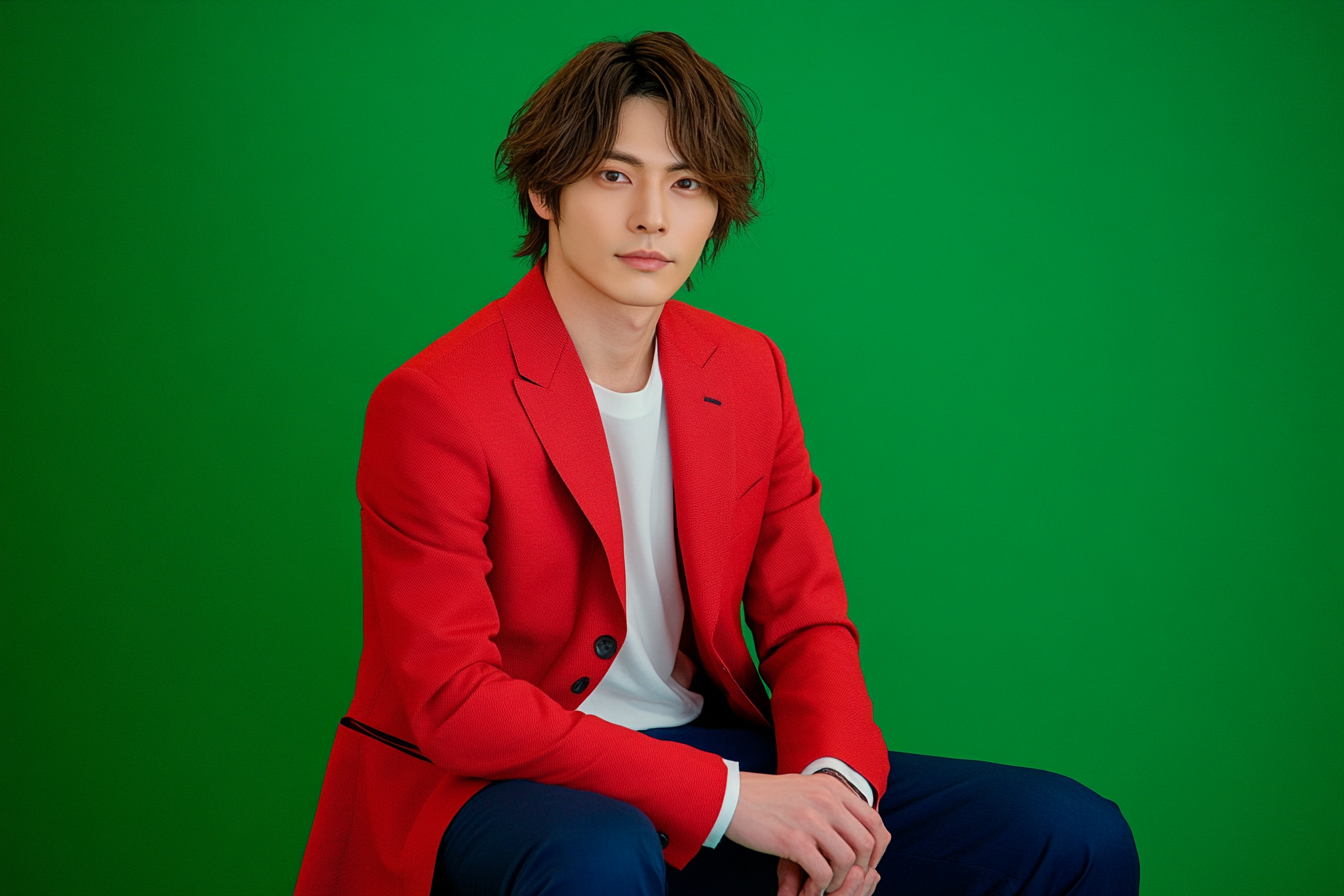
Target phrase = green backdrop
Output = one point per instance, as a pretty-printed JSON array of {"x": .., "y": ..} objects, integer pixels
[{"x": 1061, "y": 286}]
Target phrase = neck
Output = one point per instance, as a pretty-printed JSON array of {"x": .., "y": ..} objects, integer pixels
[{"x": 614, "y": 341}]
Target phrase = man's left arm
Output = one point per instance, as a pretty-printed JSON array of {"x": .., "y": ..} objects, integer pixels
[{"x": 797, "y": 611}]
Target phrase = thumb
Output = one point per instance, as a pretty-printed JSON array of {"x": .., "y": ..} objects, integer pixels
[{"x": 790, "y": 877}]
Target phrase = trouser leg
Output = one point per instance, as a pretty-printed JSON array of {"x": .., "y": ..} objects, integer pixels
[
  {"x": 729, "y": 868},
  {"x": 961, "y": 827},
  {"x": 521, "y": 838}
]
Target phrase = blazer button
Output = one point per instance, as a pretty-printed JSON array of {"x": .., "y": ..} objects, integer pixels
[
  {"x": 579, "y": 686},
  {"x": 605, "y": 647},
  {"x": 662, "y": 839}
]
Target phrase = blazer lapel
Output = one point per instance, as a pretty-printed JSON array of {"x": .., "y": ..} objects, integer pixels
[
  {"x": 559, "y": 402},
  {"x": 700, "y": 429},
  {"x": 555, "y": 393}
]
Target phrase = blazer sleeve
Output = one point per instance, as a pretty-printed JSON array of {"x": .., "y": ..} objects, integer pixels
[
  {"x": 796, "y": 609},
  {"x": 424, "y": 490}
]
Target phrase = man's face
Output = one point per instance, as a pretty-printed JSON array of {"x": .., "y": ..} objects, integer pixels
[{"x": 641, "y": 199}]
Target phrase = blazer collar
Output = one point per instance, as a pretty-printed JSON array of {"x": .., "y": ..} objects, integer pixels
[
  {"x": 555, "y": 392},
  {"x": 537, "y": 335}
]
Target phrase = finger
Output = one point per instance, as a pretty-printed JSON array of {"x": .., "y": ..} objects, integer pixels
[
  {"x": 860, "y": 838},
  {"x": 818, "y": 872},
  {"x": 872, "y": 823},
  {"x": 839, "y": 856},
  {"x": 790, "y": 878},
  {"x": 881, "y": 838},
  {"x": 854, "y": 883},
  {"x": 861, "y": 825}
]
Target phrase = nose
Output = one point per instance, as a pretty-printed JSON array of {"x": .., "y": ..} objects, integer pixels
[{"x": 649, "y": 214}]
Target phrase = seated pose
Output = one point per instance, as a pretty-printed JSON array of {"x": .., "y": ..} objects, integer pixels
[{"x": 567, "y": 502}]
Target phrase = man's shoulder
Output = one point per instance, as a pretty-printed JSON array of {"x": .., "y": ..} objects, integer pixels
[
  {"x": 469, "y": 350},
  {"x": 745, "y": 342}
]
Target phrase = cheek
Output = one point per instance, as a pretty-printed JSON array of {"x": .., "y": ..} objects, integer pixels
[
  {"x": 709, "y": 213},
  {"x": 600, "y": 225},
  {"x": 584, "y": 236}
]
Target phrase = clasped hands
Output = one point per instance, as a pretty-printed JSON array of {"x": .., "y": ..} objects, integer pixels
[{"x": 817, "y": 826}]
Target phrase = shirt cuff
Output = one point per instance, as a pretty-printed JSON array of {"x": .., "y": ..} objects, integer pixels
[
  {"x": 730, "y": 795},
  {"x": 851, "y": 776}
]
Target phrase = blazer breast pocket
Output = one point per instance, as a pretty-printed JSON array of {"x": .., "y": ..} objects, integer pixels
[{"x": 749, "y": 507}]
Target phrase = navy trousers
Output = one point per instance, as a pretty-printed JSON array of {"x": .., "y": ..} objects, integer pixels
[{"x": 957, "y": 827}]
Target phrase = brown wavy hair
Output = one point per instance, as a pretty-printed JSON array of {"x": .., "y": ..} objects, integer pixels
[{"x": 567, "y": 127}]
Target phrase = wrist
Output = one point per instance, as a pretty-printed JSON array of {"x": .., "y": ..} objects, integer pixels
[{"x": 839, "y": 776}]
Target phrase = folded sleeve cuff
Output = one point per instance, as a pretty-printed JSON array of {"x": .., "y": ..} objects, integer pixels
[{"x": 730, "y": 794}]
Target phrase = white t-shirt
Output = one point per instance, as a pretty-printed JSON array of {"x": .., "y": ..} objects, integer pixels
[{"x": 638, "y": 691}]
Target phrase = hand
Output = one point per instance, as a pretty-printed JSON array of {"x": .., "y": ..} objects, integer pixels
[
  {"x": 816, "y": 823},
  {"x": 791, "y": 879}
]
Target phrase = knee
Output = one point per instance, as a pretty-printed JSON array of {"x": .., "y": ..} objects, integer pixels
[
  {"x": 613, "y": 849},
  {"x": 1080, "y": 835}
]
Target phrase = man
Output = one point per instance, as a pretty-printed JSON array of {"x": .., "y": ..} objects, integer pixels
[{"x": 566, "y": 502}]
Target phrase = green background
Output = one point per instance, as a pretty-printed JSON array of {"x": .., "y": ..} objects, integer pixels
[{"x": 1061, "y": 286}]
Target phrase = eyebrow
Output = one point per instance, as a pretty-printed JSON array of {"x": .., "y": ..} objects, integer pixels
[{"x": 618, "y": 156}]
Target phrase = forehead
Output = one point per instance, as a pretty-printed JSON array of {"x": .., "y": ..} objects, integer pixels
[{"x": 642, "y": 131}]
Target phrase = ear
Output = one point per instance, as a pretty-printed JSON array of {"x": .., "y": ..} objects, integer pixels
[{"x": 539, "y": 205}]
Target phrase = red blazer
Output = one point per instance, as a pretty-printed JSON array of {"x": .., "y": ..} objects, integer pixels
[{"x": 493, "y": 562}]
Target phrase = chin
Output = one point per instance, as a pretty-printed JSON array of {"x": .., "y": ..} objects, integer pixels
[
  {"x": 642, "y": 298},
  {"x": 643, "y": 290}
]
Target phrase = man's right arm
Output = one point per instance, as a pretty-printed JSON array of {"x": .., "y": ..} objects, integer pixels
[{"x": 424, "y": 486}]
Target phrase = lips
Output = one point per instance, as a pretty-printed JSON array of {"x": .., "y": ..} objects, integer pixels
[{"x": 645, "y": 260}]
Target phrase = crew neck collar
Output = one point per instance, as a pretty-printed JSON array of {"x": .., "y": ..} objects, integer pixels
[{"x": 630, "y": 405}]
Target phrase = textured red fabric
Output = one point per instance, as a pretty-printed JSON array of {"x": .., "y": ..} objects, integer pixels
[{"x": 493, "y": 561}]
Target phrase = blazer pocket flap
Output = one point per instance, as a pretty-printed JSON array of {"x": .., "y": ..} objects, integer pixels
[
  {"x": 749, "y": 507},
  {"x": 383, "y": 737},
  {"x": 758, "y": 481}
]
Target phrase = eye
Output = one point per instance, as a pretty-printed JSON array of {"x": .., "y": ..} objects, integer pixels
[
  {"x": 612, "y": 177},
  {"x": 687, "y": 183}
]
